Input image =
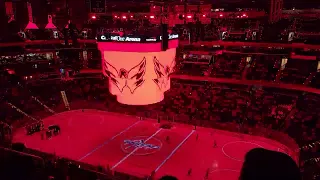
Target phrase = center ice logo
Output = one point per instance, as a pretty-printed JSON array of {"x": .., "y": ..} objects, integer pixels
[
  {"x": 140, "y": 144},
  {"x": 143, "y": 147}
]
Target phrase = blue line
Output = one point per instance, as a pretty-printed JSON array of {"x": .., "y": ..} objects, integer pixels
[
  {"x": 175, "y": 149},
  {"x": 107, "y": 141}
]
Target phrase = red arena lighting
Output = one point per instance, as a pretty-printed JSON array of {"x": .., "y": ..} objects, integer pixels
[
  {"x": 151, "y": 17},
  {"x": 137, "y": 69},
  {"x": 124, "y": 17},
  {"x": 221, "y": 15},
  {"x": 189, "y": 17},
  {"x": 93, "y": 17}
]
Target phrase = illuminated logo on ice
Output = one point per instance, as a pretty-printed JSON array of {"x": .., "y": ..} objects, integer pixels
[
  {"x": 143, "y": 147},
  {"x": 140, "y": 144}
]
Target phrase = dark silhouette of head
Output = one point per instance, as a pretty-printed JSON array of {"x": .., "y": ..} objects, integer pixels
[
  {"x": 167, "y": 177},
  {"x": 262, "y": 164}
]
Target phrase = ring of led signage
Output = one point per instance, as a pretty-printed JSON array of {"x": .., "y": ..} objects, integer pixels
[
  {"x": 129, "y": 39},
  {"x": 119, "y": 38}
]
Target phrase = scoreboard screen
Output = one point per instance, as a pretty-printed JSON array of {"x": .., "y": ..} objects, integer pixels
[{"x": 98, "y": 6}]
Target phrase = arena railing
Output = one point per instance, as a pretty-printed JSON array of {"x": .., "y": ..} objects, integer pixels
[
  {"x": 6, "y": 151},
  {"x": 76, "y": 169}
]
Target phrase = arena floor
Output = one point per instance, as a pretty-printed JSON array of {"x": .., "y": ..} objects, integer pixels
[{"x": 103, "y": 138}]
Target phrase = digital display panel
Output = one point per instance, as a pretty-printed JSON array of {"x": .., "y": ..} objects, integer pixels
[
  {"x": 97, "y": 6},
  {"x": 138, "y": 73},
  {"x": 131, "y": 38}
]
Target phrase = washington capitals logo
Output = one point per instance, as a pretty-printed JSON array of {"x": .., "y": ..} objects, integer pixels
[
  {"x": 122, "y": 78},
  {"x": 162, "y": 73},
  {"x": 143, "y": 146}
]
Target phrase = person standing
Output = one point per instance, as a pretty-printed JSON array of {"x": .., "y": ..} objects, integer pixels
[
  {"x": 168, "y": 139},
  {"x": 207, "y": 174},
  {"x": 189, "y": 172},
  {"x": 215, "y": 144}
]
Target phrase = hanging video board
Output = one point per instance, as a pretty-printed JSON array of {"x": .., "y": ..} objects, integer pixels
[{"x": 98, "y": 6}]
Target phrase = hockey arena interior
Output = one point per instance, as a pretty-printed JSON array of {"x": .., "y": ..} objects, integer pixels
[{"x": 159, "y": 90}]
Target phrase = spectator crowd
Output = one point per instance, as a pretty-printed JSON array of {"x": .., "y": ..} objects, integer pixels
[{"x": 240, "y": 108}]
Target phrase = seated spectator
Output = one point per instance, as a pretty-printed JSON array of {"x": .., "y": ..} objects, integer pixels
[
  {"x": 168, "y": 178},
  {"x": 262, "y": 164}
]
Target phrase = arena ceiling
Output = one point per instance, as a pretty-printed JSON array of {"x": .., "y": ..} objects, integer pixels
[{"x": 288, "y": 4}]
